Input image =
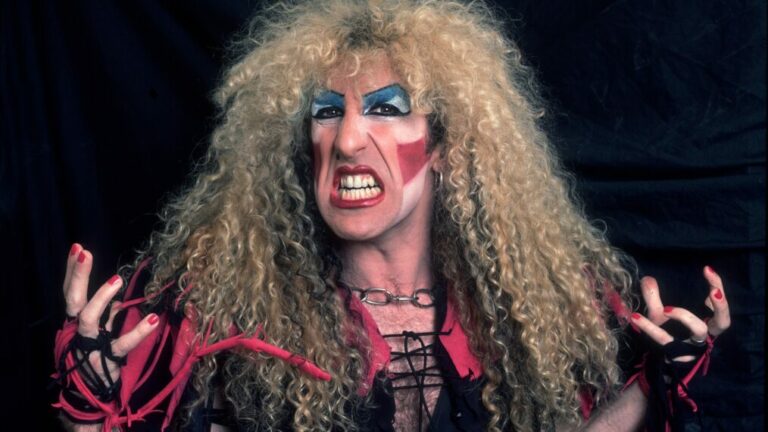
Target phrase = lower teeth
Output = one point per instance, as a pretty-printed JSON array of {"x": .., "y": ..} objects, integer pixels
[{"x": 357, "y": 194}]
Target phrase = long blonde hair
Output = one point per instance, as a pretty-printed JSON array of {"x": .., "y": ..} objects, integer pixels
[{"x": 528, "y": 272}]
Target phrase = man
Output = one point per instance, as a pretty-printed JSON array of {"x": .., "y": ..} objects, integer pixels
[{"x": 379, "y": 239}]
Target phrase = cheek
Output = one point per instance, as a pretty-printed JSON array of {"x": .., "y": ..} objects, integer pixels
[
  {"x": 413, "y": 192},
  {"x": 320, "y": 137},
  {"x": 412, "y": 157},
  {"x": 317, "y": 162}
]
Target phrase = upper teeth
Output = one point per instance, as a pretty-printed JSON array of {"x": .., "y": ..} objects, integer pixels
[{"x": 357, "y": 181}]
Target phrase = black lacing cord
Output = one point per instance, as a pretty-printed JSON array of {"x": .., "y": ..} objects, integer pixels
[
  {"x": 81, "y": 347},
  {"x": 664, "y": 374},
  {"x": 423, "y": 352}
]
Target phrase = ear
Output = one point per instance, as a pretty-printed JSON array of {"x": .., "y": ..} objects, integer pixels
[{"x": 436, "y": 162}]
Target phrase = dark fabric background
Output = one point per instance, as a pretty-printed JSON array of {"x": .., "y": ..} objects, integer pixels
[{"x": 658, "y": 107}]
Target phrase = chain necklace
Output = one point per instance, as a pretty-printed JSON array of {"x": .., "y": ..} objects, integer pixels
[{"x": 421, "y": 297}]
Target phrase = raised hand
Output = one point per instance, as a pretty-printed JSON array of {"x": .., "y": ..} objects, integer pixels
[
  {"x": 658, "y": 314},
  {"x": 668, "y": 368},
  {"x": 101, "y": 369}
]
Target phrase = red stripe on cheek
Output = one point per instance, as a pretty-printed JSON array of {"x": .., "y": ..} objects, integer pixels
[{"x": 412, "y": 157}]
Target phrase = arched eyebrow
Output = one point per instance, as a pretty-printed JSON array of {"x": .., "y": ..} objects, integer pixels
[
  {"x": 393, "y": 94},
  {"x": 329, "y": 98}
]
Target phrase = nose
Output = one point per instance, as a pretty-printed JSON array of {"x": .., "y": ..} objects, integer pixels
[{"x": 352, "y": 137}]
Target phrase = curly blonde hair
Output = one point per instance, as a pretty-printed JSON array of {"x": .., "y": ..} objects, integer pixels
[{"x": 530, "y": 274}]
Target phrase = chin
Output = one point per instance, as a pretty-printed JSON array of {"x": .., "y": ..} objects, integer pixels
[{"x": 355, "y": 232}]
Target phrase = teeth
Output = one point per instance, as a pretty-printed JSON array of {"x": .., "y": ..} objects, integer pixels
[
  {"x": 359, "y": 194},
  {"x": 357, "y": 181}
]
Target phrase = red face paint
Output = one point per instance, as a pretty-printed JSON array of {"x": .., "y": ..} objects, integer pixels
[{"x": 412, "y": 158}]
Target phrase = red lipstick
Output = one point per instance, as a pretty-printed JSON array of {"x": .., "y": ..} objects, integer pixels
[{"x": 340, "y": 172}]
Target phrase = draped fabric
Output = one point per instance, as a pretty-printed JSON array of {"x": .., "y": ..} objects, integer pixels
[{"x": 658, "y": 108}]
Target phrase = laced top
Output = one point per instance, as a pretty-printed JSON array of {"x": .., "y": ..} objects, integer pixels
[{"x": 422, "y": 364}]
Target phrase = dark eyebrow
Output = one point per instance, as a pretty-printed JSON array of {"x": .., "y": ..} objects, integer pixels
[
  {"x": 327, "y": 98},
  {"x": 326, "y": 94},
  {"x": 384, "y": 88},
  {"x": 341, "y": 95}
]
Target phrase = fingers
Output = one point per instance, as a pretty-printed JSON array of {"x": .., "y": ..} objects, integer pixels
[
  {"x": 652, "y": 330},
  {"x": 650, "y": 289},
  {"x": 74, "y": 251},
  {"x": 658, "y": 314},
  {"x": 697, "y": 327},
  {"x": 125, "y": 343},
  {"x": 76, "y": 282},
  {"x": 113, "y": 311},
  {"x": 91, "y": 313},
  {"x": 722, "y": 318}
]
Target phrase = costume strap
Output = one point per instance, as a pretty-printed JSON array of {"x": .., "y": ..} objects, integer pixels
[
  {"x": 188, "y": 349},
  {"x": 664, "y": 381}
]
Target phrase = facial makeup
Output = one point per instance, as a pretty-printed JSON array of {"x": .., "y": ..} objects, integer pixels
[
  {"x": 391, "y": 100},
  {"x": 355, "y": 187},
  {"x": 328, "y": 104},
  {"x": 412, "y": 158}
]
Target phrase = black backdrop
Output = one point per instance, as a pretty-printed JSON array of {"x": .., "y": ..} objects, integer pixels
[{"x": 658, "y": 107}]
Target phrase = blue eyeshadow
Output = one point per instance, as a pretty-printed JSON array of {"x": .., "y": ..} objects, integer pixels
[
  {"x": 393, "y": 95},
  {"x": 325, "y": 99}
]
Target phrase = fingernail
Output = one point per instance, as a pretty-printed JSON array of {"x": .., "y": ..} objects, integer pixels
[
  {"x": 81, "y": 257},
  {"x": 635, "y": 316},
  {"x": 709, "y": 270},
  {"x": 153, "y": 318},
  {"x": 73, "y": 250},
  {"x": 113, "y": 280},
  {"x": 668, "y": 309},
  {"x": 719, "y": 294}
]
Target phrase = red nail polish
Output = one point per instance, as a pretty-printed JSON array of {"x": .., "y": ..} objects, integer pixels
[
  {"x": 153, "y": 319},
  {"x": 113, "y": 279},
  {"x": 719, "y": 294},
  {"x": 668, "y": 309},
  {"x": 709, "y": 270},
  {"x": 73, "y": 250},
  {"x": 635, "y": 315},
  {"x": 81, "y": 257}
]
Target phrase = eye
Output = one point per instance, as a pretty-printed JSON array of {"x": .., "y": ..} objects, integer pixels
[
  {"x": 390, "y": 101},
  {"x": 327, "y": 105},
  {"x": 385, "y": 109},
  {"x": 327, "y": 112}
]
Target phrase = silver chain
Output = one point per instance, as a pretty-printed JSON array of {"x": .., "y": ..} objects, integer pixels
[{"x": 382, "y": 296}]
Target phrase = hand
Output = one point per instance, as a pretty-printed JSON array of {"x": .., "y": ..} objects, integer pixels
[
  {"x": 658, "y": 314},
  {"x": 88, "y": 314}
]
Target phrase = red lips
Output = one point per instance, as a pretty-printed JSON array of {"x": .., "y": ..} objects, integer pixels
[{"x": 336, "y": 200}]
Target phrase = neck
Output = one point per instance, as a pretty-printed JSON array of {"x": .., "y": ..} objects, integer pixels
[{"x": 399, "y": 262}]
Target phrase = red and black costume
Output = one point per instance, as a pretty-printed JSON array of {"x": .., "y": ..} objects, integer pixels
[
  {"x": 154, "y": 378},
  {"x": 155, "y": 375}
]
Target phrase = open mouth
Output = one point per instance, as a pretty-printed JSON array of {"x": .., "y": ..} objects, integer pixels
[{"x": 356, "y": 187}]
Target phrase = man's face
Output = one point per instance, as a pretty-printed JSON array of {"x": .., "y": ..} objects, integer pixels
[{"x": 372, "y": 170}]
